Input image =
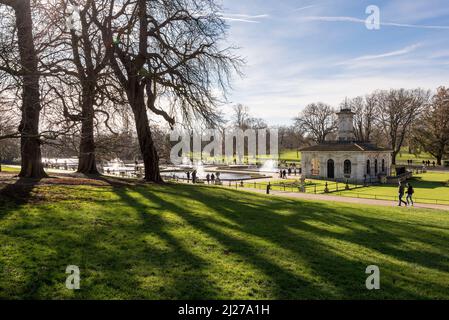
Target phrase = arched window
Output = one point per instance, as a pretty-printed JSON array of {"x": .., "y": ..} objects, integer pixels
[
  {"x": 376, "y": 169},
  {"x": 383, "y": 165},
  {"x": 368, "y": 167},
  {"x": 347, "y": 167}
]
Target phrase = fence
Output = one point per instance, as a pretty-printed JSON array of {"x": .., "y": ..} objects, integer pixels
[{"x": 335, "y": 188}]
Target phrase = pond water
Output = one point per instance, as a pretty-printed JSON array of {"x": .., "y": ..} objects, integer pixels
[{"x": 224, "y": 176}]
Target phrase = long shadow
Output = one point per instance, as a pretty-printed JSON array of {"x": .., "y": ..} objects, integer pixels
[
  {"x": 117, "y": 260},
  {"x": 384, "y": 235},
  {"x": 18, "y": 192},
  {"x": 180, "y": 286}
]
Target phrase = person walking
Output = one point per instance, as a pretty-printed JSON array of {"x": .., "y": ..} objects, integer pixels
[
  {"x": 212, "y": 177},
  {"x": 401, "y": 194},
  {"x": 208, "y": 178},
  {"x": 194, "y": 176},
  {"x": 410, "y": 192}
]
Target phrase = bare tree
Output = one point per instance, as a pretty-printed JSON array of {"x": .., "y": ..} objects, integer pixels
[
  {"x": 167, "y": 59},
  {"x": 27, "y": 71},
  {"x": 240, "y": 117},
  {"x": 318, "y": 120},
  {"x": 432, "y": 129},
  {"x": 364, "y": 118},
  {"x": 396, "y": 110},
  {"x": 79, "y": 67}
]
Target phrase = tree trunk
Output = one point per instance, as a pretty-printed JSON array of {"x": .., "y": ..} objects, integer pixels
[
  {"x": 147, "y": 148},
  {"x": 87, "y": 162},
  {"x": 393, "y": 157},
  {"x": 29, "y": 127},
  {"x": 439, "y": 160}
]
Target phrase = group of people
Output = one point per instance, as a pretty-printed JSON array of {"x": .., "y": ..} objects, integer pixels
[
  {"x": 194, "y": 173},
  {"x": 406, "y": 189},
  {"x": 210, "y": 178},
  {"x": 426, "y": 163},
  {"x": 283, "y": 173}
]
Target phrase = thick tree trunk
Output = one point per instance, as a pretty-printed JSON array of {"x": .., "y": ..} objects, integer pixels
[
  {"x": 87, "y": 162},
  {"x": 147, "y": 147},
  {"x": 439, "y": 160},
  {"x": 29, "y": 127}
]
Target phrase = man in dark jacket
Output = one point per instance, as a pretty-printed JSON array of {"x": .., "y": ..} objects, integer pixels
[
  {"x": 410, "y": 192},
  {"x": 401, "y": 194}
]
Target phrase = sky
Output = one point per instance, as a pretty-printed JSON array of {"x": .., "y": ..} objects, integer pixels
[{"x": 302, "y": 51}]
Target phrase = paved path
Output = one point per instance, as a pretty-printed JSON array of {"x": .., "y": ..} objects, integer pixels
[{"x": 332, "y": 198}]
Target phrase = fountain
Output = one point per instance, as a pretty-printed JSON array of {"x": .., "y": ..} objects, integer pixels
[
  {"x": 199, "y": 167},
  {"x": 269, "y": 166}
]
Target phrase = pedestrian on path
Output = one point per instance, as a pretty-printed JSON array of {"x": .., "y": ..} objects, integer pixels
[
  {"x": 401, "y": 193},
  {"x": 410, "y": 192}
]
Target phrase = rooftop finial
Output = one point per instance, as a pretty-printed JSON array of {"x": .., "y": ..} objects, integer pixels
[{"x": 345, "y": 105}]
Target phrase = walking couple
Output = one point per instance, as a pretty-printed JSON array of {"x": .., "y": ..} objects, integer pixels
[{"x": 406, "y": 189}]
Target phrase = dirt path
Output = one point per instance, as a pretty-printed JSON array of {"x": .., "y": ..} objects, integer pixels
[{"x": 331, "y": 198}]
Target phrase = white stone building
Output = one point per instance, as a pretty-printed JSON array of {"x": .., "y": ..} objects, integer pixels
[{"x": 346, "y": 158}]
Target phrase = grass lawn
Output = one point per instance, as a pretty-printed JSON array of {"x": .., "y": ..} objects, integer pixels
[
  {"x": 195, "y": 242},
  {"x": 404, "y": 155},
  {"x": 10, "y": 169},
  {"x": 428, "y": 186}
]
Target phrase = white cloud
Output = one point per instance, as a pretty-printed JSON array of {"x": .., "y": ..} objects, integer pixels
[
  {"x": 400, "y": 52},
  {"x": 305, "y": 8},
  {"x": 362, "y": 21}
]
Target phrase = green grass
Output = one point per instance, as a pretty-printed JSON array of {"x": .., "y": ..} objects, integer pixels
[
  {"x": 291, "y": 155},
  {"x": 428, "y": 187},
  {"x": 404, "y": 155},
  {"x": 9, "y": 169},
  {"x": 187, "y": 242}
]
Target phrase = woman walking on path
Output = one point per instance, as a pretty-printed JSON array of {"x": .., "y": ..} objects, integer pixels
[
  {"x": 401, "y": 194},
  {"x": 410, "y": 193}
]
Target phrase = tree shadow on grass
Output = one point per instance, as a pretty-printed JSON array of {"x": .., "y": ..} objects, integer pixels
[
  {"x": 139, "y": 254},
  {"x": 18, "y": 192},
  {"x": 384, "y": 236}
]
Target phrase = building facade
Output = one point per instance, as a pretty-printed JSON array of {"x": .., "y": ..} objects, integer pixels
[{"x": 345, "y": 158}]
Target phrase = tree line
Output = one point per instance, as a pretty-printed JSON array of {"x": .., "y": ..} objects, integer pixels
[{"x": 391, "y": 118}]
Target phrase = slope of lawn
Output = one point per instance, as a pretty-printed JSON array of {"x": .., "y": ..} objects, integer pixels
[
  {"x": 188, "y": 242},
  {"x": 428, "y": 187}
]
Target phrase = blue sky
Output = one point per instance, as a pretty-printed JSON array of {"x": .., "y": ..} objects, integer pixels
[{"x": 301, "y": 51}]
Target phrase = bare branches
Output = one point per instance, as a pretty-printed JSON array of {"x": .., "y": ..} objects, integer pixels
[{"x": 319, "y": 120}]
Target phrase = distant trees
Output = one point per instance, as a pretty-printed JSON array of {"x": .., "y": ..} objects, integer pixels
[
  {"x": 432, "y": 129},
  {"x": 388, "y": 117},
  {"x": 365, "y": 116},
  {"x": 318, "y": 120},
  {"x": 242, "y": 118},
  {"x": 396, "y": 111}
]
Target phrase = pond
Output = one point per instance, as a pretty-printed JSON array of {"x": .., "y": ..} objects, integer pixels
[{"x": 224, "y": 176}]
